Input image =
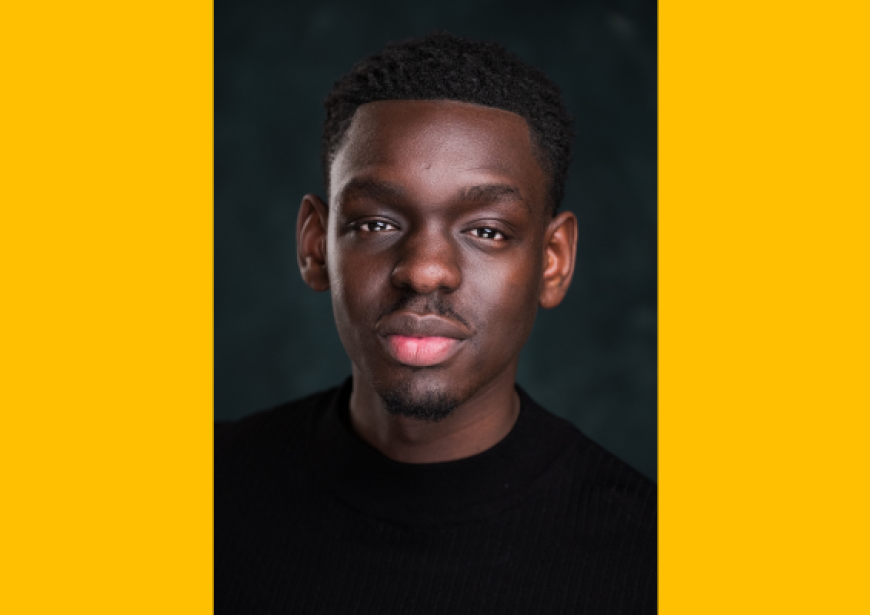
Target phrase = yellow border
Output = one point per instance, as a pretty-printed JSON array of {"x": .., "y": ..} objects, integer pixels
[
  {"x": 106, "y": 252},
  {"x": 764, "y": 307},
  {"x": 105, "y": 249}
]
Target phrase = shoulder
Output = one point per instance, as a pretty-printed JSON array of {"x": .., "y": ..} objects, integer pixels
[
  {"x": 266, "y": 429},
  {"x": 261, "y": 458},
  {"x": 628, "y": 494},
  {"x": 605, "y": 481}
]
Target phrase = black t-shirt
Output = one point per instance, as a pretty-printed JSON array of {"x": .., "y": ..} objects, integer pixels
[{"x": 309, "y": 518}]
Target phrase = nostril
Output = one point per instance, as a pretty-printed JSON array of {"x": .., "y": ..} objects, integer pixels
[{"x": 426, "y": 271}]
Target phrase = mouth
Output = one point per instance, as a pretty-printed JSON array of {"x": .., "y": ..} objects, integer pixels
[
  {"x": 421, "y": 351},
  {"x": 421, "y": 340}
]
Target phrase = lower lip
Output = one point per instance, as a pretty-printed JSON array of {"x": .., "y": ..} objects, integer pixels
[{"x": 421, "y": 351}]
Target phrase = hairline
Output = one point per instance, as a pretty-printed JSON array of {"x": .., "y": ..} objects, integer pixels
[{"x": 535, "y": 140}]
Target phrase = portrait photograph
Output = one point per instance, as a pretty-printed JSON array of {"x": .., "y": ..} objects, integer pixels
[
  {"x": 456, "y": 308},
  {"x": 365, "y": 260}
]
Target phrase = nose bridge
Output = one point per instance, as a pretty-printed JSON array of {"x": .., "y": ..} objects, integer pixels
[{"x": 428, "y": 261}]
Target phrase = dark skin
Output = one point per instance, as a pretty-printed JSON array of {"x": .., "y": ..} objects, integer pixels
[{"x": 437, "y": 225}]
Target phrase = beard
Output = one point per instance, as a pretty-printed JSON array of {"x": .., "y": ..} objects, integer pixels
[{"x": 430, "y": 406}]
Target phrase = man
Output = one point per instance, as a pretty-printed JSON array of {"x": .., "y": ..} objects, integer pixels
[{"x": 428, "y": 482}]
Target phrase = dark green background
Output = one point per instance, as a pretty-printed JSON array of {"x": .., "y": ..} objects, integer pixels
[{"x": 591, "y": 360}]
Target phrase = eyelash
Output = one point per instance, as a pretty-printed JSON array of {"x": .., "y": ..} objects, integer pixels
[
  {"x": 488, "y": 230},
  {"x": 384, "y": 226},
  {"x": 361, "y": 225}
]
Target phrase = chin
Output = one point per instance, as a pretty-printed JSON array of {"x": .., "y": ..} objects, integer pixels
[{"x": 429, "y": 402}]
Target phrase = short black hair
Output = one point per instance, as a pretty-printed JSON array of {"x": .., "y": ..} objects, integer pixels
[{"x": 442, "y": 66}]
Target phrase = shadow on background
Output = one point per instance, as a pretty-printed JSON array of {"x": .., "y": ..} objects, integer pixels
[{"x": 593, "y": 359}]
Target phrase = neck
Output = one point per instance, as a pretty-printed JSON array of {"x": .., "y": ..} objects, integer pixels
[{"x": 477, "y": 424}]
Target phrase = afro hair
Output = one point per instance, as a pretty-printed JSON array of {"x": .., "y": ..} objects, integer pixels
[{"x": 442, "y": 66}]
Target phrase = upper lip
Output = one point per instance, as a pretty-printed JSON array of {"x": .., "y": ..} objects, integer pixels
[{"x": 421, "y": 325}]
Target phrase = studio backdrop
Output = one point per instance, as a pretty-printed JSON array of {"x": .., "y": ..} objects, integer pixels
[{"x": 591, "y": 360}]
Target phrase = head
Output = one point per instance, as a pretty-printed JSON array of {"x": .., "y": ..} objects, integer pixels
[{"x": 445, "y": 161}]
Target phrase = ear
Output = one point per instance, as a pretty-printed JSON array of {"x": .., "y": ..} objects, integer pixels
[
  {"x": 560, "y": 250},
  {"x": 311, "y": 225}
]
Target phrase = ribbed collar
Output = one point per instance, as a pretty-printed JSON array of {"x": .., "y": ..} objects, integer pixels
[{"x": 436, "y": 493}]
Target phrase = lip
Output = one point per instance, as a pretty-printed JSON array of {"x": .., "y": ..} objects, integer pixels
[
  {"x": 421, "y": 351},
  {"x": 421, "y": 340},
  {"x": 409, "y": 324}
]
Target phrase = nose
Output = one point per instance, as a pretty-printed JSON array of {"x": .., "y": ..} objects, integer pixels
[{"x": 428, "y": 262}]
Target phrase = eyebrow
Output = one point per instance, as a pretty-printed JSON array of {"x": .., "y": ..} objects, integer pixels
[
  {"x": 385, "y": 191},
  {"x": 366, "y": 187},
  {"x": 494, "y": 192}
]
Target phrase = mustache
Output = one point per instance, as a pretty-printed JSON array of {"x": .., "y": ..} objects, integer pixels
[{"x": 426, "y": 304}]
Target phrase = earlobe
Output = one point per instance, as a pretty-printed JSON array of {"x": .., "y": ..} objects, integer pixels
[
  {"x": 311, "y": 228},
  {"x": 560, "y": 250}
]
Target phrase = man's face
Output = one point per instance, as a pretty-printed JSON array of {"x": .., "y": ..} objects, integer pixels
[{"x": 435, "y": 249}]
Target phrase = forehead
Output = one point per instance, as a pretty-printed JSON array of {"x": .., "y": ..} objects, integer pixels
[{"x": 431, "y": 147}]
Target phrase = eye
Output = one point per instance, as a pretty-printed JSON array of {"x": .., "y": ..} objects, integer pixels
[
  {"x": 486, "y": 232},
  {"x": 375, "y": 226}
]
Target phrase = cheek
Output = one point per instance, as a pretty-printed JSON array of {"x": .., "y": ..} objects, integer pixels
[
  {"x": 355, "y": 290},
  {"x": 507, "y": 303}
]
